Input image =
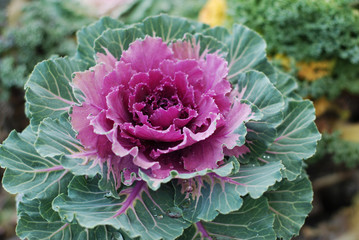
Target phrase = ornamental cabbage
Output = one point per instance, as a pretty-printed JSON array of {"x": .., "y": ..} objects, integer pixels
[
  {"x": 165, "y": 129},
  {"x": 159, "y": 108}
]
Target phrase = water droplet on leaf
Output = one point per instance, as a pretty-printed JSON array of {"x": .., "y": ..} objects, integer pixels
[{"x": 174, "y": 212}]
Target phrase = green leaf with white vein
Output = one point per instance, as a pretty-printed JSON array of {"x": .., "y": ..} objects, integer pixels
[
  {"x": 166, "y": 27},
  {"x": 252, "y": 221},
  {"x": 286, "y": 84},
  {"x": 117, "y": 40},
  {"x": 56, "y": 137},
  {"x": 257, "y": 89},
  {"x": 291, "y": 204},
  {"x": 87, "y": 36},
  {"x": 31, "y": 225},
  {"x": 297, "y": 138},
  {"x": 48, "y": 90},
  {"x": 46, "y": 211},
  {"x": 219, "y": 33},
  {"x": 29, "y": 173},
  {"x": 247, "y": 51},
  {"x": 139, "y": 212},
  {"x": 79, "y": 166},
  {"x": 207, "y": 44},
  {"x": 203, "y": 198}
]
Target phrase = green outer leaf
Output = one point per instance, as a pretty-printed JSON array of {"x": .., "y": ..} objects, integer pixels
[
  {"x": 255, "y": 180},
  {"x": 56, "y": 137},
  {"x": 219, "y": 33},
  {"x": 49, "y": 91},
  {"x": 32, "y": 225},
  {"x": 252, "y": 221},
  {"x": 286, "y": 84},
  {"x": 78, "y": 166},
  {"x": 166, "y": 27},
  {"x": 209, "y": 197},
  {"x": 117, "y": 40},
  {"x": 87, "y": 36},
  {"x": 297, "y": 138},
  {"x": 198, "y": 26},
  {"x": 207, "y": 44},
  {"x": 107, "y": 182},
  {"x": 145, "y": 213},
  {"x": 247, "y": 51},
  {"x": 256, "y": 88},
  {"x": 190, "y": 233},
  {"x": 213, "y": 194},
  {"x": 255, "y": 115},
  {"x": 29, "y": 173},
  {"x": 46, "y": 211},
  {"x": 291, "y": 203}
]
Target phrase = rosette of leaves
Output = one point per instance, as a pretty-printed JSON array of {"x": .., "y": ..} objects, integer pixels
[{"x": 227, "y": 166}]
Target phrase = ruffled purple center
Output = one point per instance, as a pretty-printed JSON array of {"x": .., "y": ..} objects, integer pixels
[{"x": 159, "y": 108}]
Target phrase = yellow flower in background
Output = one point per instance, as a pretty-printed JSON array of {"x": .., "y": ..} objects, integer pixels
[
  {"x": 283, "y": 60},
  {"x": 14, "y": 10},
  {"x": 349, "y": 131},
  {"x": 314, "y": 70},
  {"x": 321, "y": 105},
  {"x": 214, "y": 12}
]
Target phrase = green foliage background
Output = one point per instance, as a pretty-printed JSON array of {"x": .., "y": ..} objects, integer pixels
[{"x": 307, "y": 31}]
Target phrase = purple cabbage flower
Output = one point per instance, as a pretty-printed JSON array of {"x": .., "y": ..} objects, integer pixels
[{"x": 157, "y": 109}]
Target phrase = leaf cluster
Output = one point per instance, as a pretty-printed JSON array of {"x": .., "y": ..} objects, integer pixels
[{"x": 264, "y": 194}]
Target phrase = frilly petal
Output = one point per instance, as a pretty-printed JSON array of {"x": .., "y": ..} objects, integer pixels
[
  {"x": 190, "y": 137},
  {"x": 146, "y": 54},
  {"x": 106, "y": 59},
  {"x": 117, "y": 103},
  {"x": 145, "y": 132},
  {"x": 81, "y": 123}
]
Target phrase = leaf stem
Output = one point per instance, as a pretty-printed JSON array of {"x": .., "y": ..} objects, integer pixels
[
  {"x": 202, "y": 230},
  {"x": 131, "y": 198},
  {"x": 55, "y": 168}
]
